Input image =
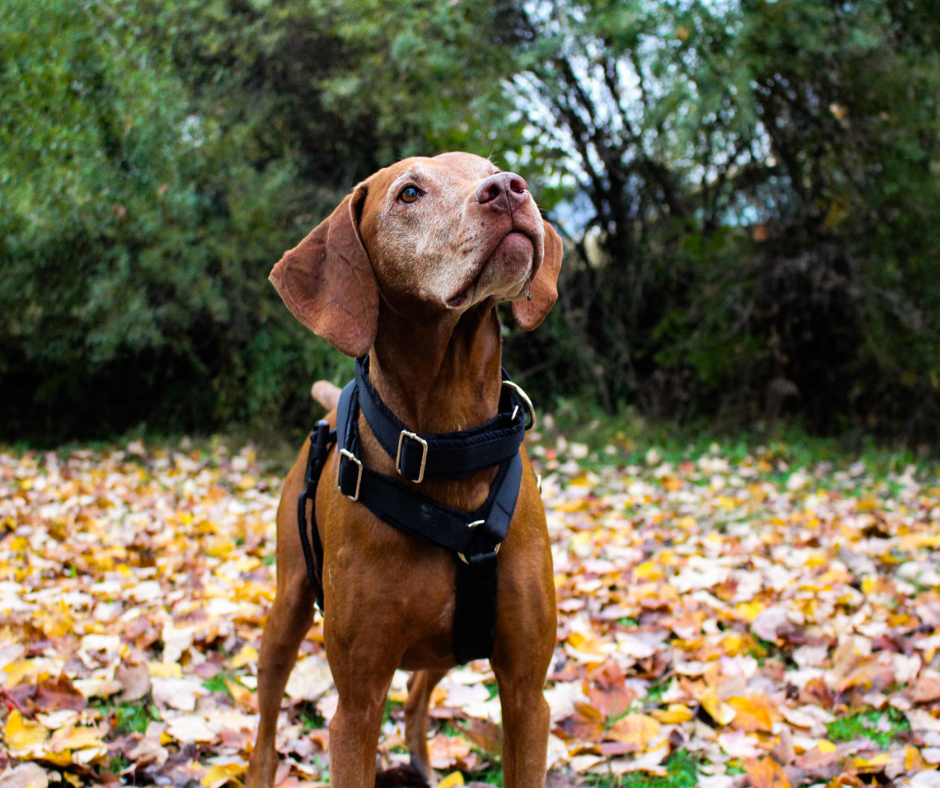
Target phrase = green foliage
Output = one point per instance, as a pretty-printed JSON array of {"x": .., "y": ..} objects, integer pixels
[
  {"x": 764, "y": 187},
  {"x": 135, "y": 717},
  {"x": 137, "y": 230},
  {"x": 682, "y": 772},
  {"x": 883, "y": 728},
  {"x": 751, "y": 193}
]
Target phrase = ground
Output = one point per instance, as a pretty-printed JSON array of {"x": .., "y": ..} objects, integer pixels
[{"x": 729, "y": 615}]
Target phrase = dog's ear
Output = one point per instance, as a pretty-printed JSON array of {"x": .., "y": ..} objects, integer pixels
[
  {"x": 328, "y": 283},
  {"x": 544, "y": 288}
]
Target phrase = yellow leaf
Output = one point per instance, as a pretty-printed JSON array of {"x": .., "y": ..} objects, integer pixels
[
  {"x": 165, "y": 670},
  {"x": 639, "y": 730},
  {"x": 816, "y": 559},
  {"x": 241, "y": 695},
  {"x": 63, "y": 758},
  {"x": 247, "y": 482},
  {"x": 912, "y": 759},
  {"x": 23, "y": 736},
  {"x": 245, "y": 656},
  {"x": 73, "y": 779},
  {"x": 577, "y": 640},
  {"x": 56, "y": 622},
  {"x": 218, "y": 776},
  {"x": 720, "y": 711},
  {"x": 749, "y": 611},
  {"x": 219, "y": 547},
  {"x": 826, "y": 746},
  {"x": 872, "y": 765},
  {"x": 674, "y": 715},
  {"x": 576, "y": 505},
  {"x": 20, "y": 670},
  {"x": 74, "y": 738},
  {"x": 732, "y": 644},
  {"x": 648, "y": 570},
  {"x": 452, "y": 780}
]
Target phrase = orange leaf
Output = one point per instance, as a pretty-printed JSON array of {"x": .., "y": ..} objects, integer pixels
[
  {"x": 765, "y": 773},
  {"x": 752, "y": 714},
  {"x": 638, "y": 730}
]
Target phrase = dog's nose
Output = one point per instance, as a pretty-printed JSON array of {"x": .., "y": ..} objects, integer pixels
[{"x": 502, "y": 191}]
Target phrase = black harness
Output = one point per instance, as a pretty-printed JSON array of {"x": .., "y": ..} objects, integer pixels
[{"x": 474, "y": 539}]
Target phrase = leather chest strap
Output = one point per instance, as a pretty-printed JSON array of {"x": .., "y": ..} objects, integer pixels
[{"x": 474, "y": 539}]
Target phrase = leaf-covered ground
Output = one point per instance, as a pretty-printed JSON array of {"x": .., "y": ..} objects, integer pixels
[{"x": 724, "y": 620}]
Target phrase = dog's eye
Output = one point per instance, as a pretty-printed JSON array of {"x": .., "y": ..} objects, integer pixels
[{"x": 410, "y": 194}]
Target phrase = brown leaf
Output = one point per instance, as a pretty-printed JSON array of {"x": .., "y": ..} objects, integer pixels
[
  {"x": 587, "y": 724},
  {"x": 927, "y": 688},
  {"x": 608, "y": 691},
  {"x": 136, "y": 681},
  {"x": 784, "y": 752},
  {"x": 59, "y": 694},
  {"x": 816, "y": 693},
  {"x": 486, "y": 735},
  {"x": 27, "y": 775}
]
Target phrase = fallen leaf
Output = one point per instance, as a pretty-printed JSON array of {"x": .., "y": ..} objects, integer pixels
[
  {"x": 23, "y": 737},
  {"x": 765, "y": 773},
  {"x": 218, "y": 776}
]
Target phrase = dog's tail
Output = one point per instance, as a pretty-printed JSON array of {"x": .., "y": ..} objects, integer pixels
[{"x": 326, "y": 394}]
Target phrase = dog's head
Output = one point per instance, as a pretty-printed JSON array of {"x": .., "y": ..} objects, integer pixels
[{"x": 432, "y": 235}]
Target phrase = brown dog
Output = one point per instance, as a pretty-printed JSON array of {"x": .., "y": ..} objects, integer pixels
[{"x": 410, "y": 268}]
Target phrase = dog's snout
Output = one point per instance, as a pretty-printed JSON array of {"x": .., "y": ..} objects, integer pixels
[{"x": 502, "y": 191}]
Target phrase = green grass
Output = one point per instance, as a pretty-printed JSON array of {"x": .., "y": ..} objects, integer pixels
[
  {"x": 492, "y": 774},
  {"x": 391, "y": 709},
  {"x": 863, "y": 725},
  {"x": 309, "y": 717},
  {"x": 129, "y": 717},
  {"x": 633, "y": 436},
  {"x": 217, "y": 684},
  {"x": 682, "y": 773},
  {"x": 655, "y": 692}
]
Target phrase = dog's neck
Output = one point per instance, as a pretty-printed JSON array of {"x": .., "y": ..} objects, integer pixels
[{"x": 440, "y": 375}]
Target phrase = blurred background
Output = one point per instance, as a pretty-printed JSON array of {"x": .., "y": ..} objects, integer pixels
[{"x": 749, "y": 193}]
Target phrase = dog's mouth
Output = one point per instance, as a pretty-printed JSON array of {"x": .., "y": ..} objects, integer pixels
[{"x": 511, "y": 259}]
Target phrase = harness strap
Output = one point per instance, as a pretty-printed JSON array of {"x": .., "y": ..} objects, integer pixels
[
  {"x": 445, "y": 455},
  {"x": 474, "y": 539},
  {"x": 321, "y": 441}
]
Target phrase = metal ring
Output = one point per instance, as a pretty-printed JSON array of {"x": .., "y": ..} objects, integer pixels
[{"x": 525, "y": 400}]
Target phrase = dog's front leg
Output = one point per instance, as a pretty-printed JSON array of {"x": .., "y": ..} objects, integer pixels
[
  {"x": 286, "y": 626},
  {"x": 363, "y": 685},
  {"x": 525, "y": 727}
]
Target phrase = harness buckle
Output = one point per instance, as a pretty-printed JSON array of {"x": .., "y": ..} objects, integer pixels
[
  {"x": 463, "y": 558},
  {"x": 343, "y": 477},
  {"x": 424, "y": 455},
  {"x": 525, "y": 401}
]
